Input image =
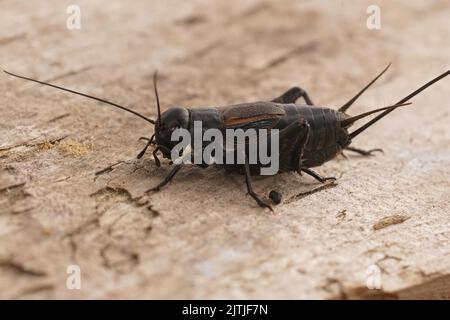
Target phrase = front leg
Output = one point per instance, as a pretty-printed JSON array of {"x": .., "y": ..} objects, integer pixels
[
  {"x": 292, "y": 95},
  {"x": 171, "y": 174},
  {"x": 167, "y": 179},
  {"x": 179, "y": 163}
]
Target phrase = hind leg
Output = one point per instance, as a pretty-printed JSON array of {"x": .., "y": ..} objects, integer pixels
[
  {"x": 292, "y": 95},
  {"x": 364, "y": 152},
  {"x": 317, "y": 176},
  {"x": 292, "y": 142}
]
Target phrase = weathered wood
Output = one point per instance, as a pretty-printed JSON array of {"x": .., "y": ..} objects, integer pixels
[{"x": 71, "y": 189}]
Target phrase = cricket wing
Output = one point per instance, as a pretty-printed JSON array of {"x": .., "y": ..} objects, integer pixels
[{"x": 256, "y": 115}]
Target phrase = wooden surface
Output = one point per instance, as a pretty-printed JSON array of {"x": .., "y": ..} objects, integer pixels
[{"x": 71, "y": 187}]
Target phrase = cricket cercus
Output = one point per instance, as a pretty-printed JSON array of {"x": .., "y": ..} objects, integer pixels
[{"x": 306, "y": 135}]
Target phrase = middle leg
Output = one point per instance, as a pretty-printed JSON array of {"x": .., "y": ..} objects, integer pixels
[{"x": 248, "y": 181}]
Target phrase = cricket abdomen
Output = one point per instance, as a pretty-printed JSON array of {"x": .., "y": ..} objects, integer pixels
[{"x": 326, "y": 136}]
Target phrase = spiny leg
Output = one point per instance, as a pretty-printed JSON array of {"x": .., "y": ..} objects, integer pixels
[
  {"x": 364, "y": 152},
  {"x": 317, "y": 176},
  {"x": 250, "y": 191},
  {"x": 292, "y": 141},
  {"x": 292, "y": 95},
  {"x": 167, "y": 179}
]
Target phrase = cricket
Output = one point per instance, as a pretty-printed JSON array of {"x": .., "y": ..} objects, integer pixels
[{"x": 309, "y": 135}]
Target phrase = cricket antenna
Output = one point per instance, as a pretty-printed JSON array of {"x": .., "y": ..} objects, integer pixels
[
  {"x": 84, "y": 95},
  {"x": 352, "y": 100},
  {"x": 155, "y": 86},
  {"x": 385, "y": 113}
]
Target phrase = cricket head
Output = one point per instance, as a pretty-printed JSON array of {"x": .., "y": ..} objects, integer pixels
[{"x": 168, "y": 121}]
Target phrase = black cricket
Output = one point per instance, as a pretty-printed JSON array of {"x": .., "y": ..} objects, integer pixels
[{"x": 309, "y": 135}]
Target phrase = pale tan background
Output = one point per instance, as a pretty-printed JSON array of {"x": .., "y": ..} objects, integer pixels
[{"x": 70, "y": 183}]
